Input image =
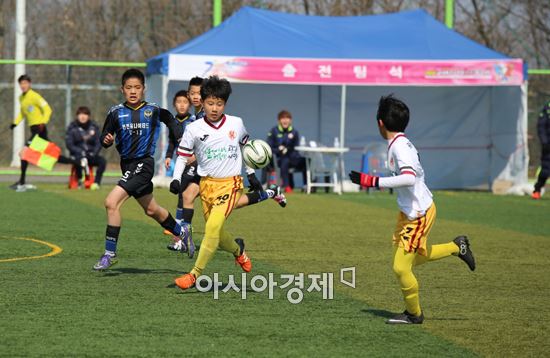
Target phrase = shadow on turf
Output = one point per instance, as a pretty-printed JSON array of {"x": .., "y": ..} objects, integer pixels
[
  {"x": 379, "y": 313},
  {"x": 388, "y": 314},
  {"x": 136, "y": 271},
  {"x": 221, "y": 287}
]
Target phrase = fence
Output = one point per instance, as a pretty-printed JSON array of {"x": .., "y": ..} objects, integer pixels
[{"x": 68, "y": 85}]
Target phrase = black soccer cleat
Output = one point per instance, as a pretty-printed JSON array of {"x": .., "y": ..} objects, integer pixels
[
  {"x": 406, "y": 318},
  {"x": 464, "y": 252}
]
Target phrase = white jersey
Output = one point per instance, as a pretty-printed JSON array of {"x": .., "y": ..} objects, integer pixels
[
  {"x": 403, "y": 158},
  {"x": 217, "y": 146}
]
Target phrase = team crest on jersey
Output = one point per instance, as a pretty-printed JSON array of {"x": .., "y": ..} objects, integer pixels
[
  {"x": 148, "y": 113},
  {"x": 232, "y": 134}
]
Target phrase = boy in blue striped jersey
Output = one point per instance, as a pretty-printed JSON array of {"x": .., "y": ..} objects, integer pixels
[{"x": 134, "y": 127}]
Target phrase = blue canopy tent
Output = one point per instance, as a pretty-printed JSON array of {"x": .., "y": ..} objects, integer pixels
[{"x": 468, "y": 102}]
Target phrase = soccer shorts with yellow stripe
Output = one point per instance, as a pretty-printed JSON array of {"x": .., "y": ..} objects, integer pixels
[
  {"x": 412, "y": 235},
  {"x": 220, "y": 194}
]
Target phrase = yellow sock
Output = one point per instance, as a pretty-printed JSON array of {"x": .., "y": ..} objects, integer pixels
[
  {"x": 211, "y": 241},
  {"x": 436, "y": 252},
  {"x": 227, "y": 243},
  {"x": 402, "y": 266},
  {"x": 412, "y": 301}
]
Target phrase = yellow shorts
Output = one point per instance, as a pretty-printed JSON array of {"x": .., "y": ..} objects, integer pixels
[
  {"x": 412, "y": 235},
  {"x": 220, "y": 194}
]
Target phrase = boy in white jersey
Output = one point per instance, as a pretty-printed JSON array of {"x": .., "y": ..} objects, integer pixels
[
  {"x": 417, "y": 209},
  {"x": 216, "y": 142}
]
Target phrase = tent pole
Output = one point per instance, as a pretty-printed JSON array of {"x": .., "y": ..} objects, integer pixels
[
  {"x": 449, "y": 13},
  {"x": 216, "y": 12},
  {"x": 343, "y": 100}
]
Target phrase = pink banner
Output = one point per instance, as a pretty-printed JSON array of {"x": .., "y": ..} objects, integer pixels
[{"x": 353, "y": 72}]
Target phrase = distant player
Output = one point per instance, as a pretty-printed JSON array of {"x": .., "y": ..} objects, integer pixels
[
  {"x": 417, "y": 209},
  {"x": 216, "y": 142},
  {"x": 543, "y": 130},
  {"x": 37, "y": 112},
  {"x": 190, "y": 179},
  {"x": 134, "y": 127},
  {"x": 181, "y": 104}
]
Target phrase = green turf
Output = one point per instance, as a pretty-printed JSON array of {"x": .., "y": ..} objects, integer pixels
[{"x": 57, "y": 306}]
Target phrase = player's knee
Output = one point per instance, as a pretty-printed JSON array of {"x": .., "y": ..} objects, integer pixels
[
  {"x": 213, "y": 228},
  {"x": 189, "y": 197},
  {"x": 151, "y": 210},
  {"x": 110, "y": 204},
  {"x": 399, "y": 270}
]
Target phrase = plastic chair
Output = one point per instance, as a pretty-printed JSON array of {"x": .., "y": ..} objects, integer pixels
[{"x": 374, "y": 161}]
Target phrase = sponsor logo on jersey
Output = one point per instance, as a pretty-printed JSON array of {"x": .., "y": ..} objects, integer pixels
[
  {"x": 223, "y": 153},
  {"x": 204, "y": 137},
  {"x": 130, "y": 126}
]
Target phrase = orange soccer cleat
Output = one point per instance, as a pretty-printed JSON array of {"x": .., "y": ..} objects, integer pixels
[
  {"x": 243, "y": 260},
  {"x": 536, "y": 195},
  {"x": 167, "y": 232},
  {"x": 186, "y": 281}
]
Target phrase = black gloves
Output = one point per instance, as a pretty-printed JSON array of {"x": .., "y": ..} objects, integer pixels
[
  {"x": 12, "y": 126},
  {"x": 175, "y": 187}
]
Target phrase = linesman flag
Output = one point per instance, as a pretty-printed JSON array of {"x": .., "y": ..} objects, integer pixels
[{"x": 41, "y": 153}]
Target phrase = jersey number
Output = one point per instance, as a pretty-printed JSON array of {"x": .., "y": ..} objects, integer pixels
[
  {"x": 405, "y": 235},
  {"x": 222, "y": 199}
]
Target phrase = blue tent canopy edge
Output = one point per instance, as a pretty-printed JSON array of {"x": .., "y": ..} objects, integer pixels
[{"x": 407, "y": 35}]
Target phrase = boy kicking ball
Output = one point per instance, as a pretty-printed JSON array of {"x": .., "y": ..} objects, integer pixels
[
  {"x": 417, "y": 209},
  {"x": 134, "y": 127},
  {"x": 216, "y": 142}
]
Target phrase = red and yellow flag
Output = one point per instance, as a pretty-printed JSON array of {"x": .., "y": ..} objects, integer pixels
[{"x": 41, "y": 153}]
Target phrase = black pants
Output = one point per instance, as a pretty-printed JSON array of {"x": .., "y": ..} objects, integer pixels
[
  {"x": 298, "y": 163},
  {"x": 545, "y": 168},
  {"x": 93, "y": 161}
]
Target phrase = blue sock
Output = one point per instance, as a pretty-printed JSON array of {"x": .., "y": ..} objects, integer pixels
[
  {"x": 256, "y": 197},
  {"x": 111, "y": 238},
  {"x": 179, "y": 214}
]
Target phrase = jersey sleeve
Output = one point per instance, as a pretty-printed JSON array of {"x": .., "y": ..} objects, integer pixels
[
  {"x": 243, "y": 135},
  {"x": 109, "y": 127},
  {"x": 167, "y": 118},
  {"x": 187, "y": 144},
  {"x": 44, "y": 108},
  {"x": 405, "y": 158}
]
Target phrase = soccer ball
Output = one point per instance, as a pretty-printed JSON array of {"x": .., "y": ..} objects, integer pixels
[{"x": 257, "y": 154}]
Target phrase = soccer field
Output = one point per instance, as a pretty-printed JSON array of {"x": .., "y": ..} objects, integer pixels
[{"x": 57, "y": 306}]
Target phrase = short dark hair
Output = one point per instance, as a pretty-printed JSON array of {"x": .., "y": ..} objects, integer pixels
[
  {"x": 216, "y": 87},
  {"x": 133, "y": 73},
  {"x": 195, "y": 81},
  {"x": 181, "y": 93},
  {"x": 24, "y": 78},
  {"x": 284, "y": 114},
  {"x": 83, "y": 109},
  {"x": 393, "y": 112}
]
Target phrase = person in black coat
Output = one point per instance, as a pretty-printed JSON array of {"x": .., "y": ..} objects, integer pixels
[
  {"x": 543, "y": 130},
  {"x": 82, "y": 139},
  {"x": 283, "y": 138}
]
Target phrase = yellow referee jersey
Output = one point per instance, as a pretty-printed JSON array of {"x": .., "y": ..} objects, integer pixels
[{"x": 34, "y": 109}]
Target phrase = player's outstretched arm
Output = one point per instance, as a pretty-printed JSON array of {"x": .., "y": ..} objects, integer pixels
[{"x": 407, "y": 178}]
